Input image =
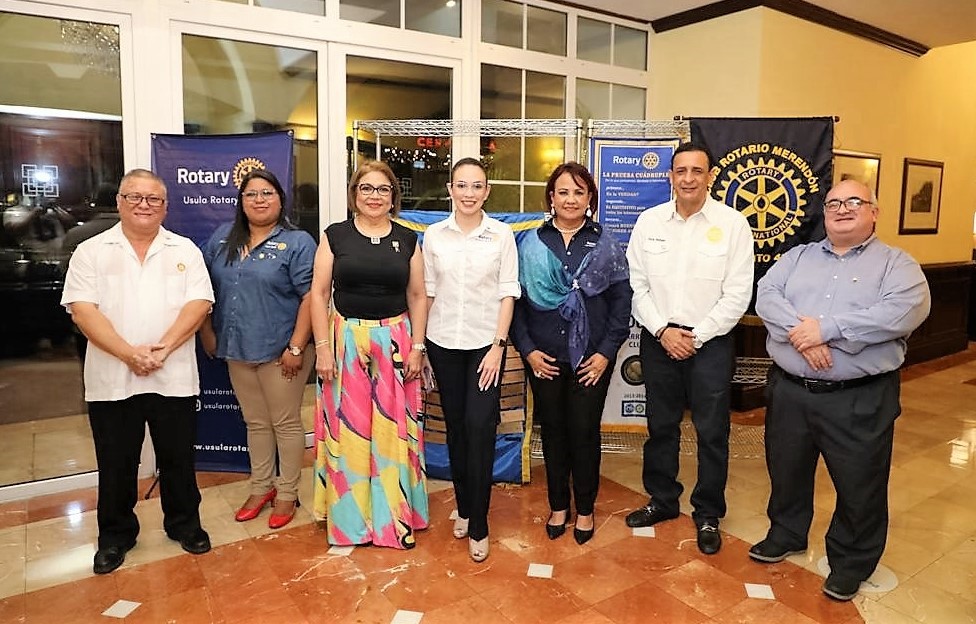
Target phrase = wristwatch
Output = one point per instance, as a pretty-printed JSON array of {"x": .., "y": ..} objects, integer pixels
[
  {"x": 501, "y": 342},
  {"x": 419, "y": 346},
  {"x": 296, "y": 351},
  {"x": 696, "y": 341}
]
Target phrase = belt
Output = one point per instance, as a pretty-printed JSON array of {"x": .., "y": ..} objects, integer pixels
[
  {"x": 684, "y": 327},
  {"x": 821, "y": 386}
]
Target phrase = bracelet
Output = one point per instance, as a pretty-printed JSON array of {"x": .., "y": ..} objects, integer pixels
[{"x": 319, "y": 343}]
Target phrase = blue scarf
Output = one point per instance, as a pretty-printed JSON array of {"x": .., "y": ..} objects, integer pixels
[{"x": 548, "y": 286}]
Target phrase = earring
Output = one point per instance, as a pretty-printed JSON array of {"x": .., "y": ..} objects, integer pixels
[{"x": 589, "y": 213}]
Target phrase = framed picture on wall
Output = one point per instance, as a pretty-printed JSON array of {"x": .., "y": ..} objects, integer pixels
[
  {"x": 921, "y": 195},
  {"x": 861, "y": 166}
]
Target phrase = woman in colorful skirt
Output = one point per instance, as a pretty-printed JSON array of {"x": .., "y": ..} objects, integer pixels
[{"x": 369, "y": 451}]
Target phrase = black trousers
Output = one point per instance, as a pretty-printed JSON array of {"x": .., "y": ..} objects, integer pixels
[
  {"x": 118, "y": 429},
  {"x": 471, "y": 416},
  {"x": 569, "y": 414},
  {"x": 702, "y": 383},
  {"x": 854, "y": 431}
]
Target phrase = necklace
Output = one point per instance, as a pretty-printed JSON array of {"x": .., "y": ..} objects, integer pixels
[
  {"x": 375, "y": 240},
  {"x": 569, "y": 231}
]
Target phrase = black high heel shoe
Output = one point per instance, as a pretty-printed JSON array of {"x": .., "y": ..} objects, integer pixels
[
  {"x": 556, "y": 530},
  {"x": 583, "y": 535}
]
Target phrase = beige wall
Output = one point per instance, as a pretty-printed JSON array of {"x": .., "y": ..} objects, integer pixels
[{"x": 889, "y": 103}]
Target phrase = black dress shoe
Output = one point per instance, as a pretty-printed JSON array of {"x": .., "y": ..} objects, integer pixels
[
  {"x": 709, "y": 539},
  {"x": 840, "y": 587},
  {"x": 582, "y": 535},
  {"x": 556, "y": 530},
  {"x": 649, "y": 515},
  {"x": 110, "y": 558},
  {"x": 195, "y": 542},
  {"x": 768, "y": 551}
]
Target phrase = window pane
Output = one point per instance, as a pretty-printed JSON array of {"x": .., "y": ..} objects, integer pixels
[
  {"x": 61, "y": 159},
  {"x": 382, "y": 12},
  {"x": 503, "y": 157},
  {"x": 593, "y": 40},
  {"x": 312, "y": 7},
  {"x": 546, "y": 31},
  {"x": 380, "y": 89},
  {"x": 501, "y": 23},
  {"x": 434, "y": 16},
  {"x": 503, "y": 198},
  {"x": 542, "y": 155},
  {"x": 501, "y": 92},
  {"x": 236, "y": 87},
  {"x": 592, "y": 99},
  {"x": 535, "y": 199},
  {"x": 545, "y": 96},
  {"x": 630, "y": 48},
  {"x": 628, "y": 102}
]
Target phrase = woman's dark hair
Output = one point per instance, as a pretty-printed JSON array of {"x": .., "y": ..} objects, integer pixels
[
  {"x": 474, "y": 162},
  {"x": 581, "y": 175},
  {"x": 368, "y": 167},
  {"x": 240, "y": 233}
]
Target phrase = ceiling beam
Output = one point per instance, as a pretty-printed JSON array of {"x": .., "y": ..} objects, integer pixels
[{"x": 796, "y": 8}]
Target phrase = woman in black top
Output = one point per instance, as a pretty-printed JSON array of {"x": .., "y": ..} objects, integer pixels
[{"x": 369, "y": 468}]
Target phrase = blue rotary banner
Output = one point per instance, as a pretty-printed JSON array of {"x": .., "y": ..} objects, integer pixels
[
  {"x": 202, "y": 175},
  {"x": 631, "y": 176}
]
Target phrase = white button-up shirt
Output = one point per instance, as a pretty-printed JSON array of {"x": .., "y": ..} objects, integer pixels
[
  {"x": 141, "y": 300},
  {"x": 696, "y": 272},
  {"x": 468, "y": 275}
]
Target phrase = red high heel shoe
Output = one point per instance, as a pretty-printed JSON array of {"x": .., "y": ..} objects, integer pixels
[
  {"x": 244, "y": 514},
  {"x": 276, "y": 521}
]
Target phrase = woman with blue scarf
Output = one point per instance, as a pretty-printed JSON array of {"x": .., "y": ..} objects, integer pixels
[{"x": 569, "y": 324}]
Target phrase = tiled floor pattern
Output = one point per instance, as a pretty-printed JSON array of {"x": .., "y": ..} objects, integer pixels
[{"x": 258, "y": 575}]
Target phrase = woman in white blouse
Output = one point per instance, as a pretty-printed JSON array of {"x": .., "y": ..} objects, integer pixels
[{"x": 471, "y": 272}]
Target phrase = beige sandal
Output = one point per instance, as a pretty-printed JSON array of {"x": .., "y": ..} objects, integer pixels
[
  {"x": 478, "y": 549},
  {"x": 460, "y": 527}
]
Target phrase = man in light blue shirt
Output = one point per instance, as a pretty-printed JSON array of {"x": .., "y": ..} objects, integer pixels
[{"x": 839, "y": 313}]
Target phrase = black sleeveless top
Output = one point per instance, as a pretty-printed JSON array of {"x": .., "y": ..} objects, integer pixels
[{"x": 370, "y": 279}]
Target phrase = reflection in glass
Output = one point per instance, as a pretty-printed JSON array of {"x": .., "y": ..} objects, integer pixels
[
  {"x": 546, "y": 31},
  {"x": 60, "y": 157},
  {"x": 501, "y": 92},
  {"x": 379, "y": 89},
  {"x": 630, "y": 48},
  {"x": 501, "y": 22},
  {"x": 545, "y": 96},
  {"x": 628, "y": 102},
  {"x": 535, "y": 197},
  {"x": 434, "y": 16},
  {"x": 542, "y": 155},
  {"x": 592, "y": 99},
  {"x": 503, "y": 157},
  {"x": 593, "y": 40},
  {"x": 236, "y": 87},
  {"x": 503, "y": 198},
  {"x": 382, "y": 12}
]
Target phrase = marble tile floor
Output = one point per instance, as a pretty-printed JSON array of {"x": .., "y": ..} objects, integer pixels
[{"x": 255, "y": 574}]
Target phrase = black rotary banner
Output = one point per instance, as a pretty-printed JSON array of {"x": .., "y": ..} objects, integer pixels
[{"x": 774, "y": 171}]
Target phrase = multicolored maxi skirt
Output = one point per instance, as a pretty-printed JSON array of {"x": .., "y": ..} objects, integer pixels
[{"x": 370, "y": 483}]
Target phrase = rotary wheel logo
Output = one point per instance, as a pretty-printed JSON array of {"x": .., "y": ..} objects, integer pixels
[
  {"x": 245, "y": 166},
  {"x": 650, "y": 160},
  {"x": 768, "y": 195}
]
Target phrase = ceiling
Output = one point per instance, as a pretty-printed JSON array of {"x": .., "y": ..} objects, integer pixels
[{"x": 930, "y": 22}]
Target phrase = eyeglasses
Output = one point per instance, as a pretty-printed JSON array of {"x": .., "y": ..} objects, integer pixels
[
  {"x": 134, "y": 199},
  {"x": 477, "y": 187},
  {"x": 851, "y": 203},
  {"x": 265, "y": 194},
  {"x": 368, "y": 189}
]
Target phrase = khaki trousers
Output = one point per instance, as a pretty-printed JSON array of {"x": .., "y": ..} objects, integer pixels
[{"x": 272, "y": 406}]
